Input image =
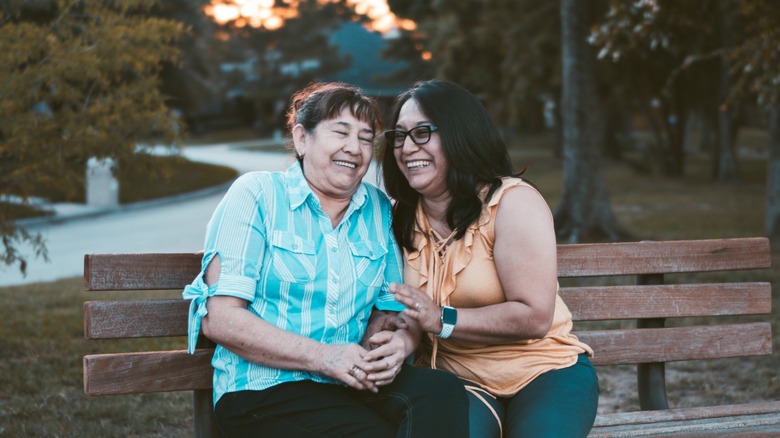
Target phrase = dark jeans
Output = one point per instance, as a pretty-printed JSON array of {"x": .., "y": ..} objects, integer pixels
[
  {"x": 419, "y": 403},
  {"x": 558, "y": 403}
]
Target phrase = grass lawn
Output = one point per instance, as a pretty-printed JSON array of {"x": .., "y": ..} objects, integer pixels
[
  {"x": 41, "y": 391},
  {"x": 42, "y": 343}
]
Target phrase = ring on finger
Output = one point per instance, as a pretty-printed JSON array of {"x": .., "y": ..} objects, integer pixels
[
  {"x": 417, "y": 305},
  {"x": 353, "y": 371}
]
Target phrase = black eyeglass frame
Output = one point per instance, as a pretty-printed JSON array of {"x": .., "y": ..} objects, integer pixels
[{"x": 394, "y": 134}]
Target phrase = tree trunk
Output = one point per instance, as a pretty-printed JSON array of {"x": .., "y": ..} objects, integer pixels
[
  {"x": 705, "y": 140},
  {"x": 584, "y": 213},
  {"x": 692, "y": 131},
  {"x": 773, "y": 179},
  {"x": 727, "y": 160},
  {"x": 676, "y": 122}
]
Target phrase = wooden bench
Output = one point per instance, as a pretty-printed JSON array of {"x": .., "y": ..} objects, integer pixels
[{"x": 647, "y": 342}]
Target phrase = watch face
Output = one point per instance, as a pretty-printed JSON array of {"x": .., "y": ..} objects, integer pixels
[{"x": 449, "y": 315}]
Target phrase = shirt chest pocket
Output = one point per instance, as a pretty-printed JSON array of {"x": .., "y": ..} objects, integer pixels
[
  {"x": 292, "y": 258},
  {"x": 369, "y": 262}
]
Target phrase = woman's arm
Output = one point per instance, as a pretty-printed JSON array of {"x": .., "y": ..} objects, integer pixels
[
  {"x": 390, "y": 339},
  {"x": 230, "y": 324},
  {"x": 381, "y": 320},
  {"x": 526, "y": 262}
]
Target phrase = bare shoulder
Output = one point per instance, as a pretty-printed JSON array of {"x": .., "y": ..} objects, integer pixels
[{"x": 522, "y": 204}]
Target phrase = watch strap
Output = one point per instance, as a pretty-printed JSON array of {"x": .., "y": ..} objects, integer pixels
[
  {"x": 446, "y": 331},
  {"x": 449, "y": 316}
]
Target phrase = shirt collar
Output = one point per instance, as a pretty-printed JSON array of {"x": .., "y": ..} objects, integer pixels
[{"x": 299, "y": 189}]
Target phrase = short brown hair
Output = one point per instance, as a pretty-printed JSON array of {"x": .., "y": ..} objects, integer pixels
[{"x": 324, "y": 101}]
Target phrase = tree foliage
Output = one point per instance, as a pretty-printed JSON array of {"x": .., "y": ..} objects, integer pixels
[
  {"x": 755, "y": 61},
  {"x": 505, "y": 51},
  {"x": 719, "y": 54},
  {"x": 647, "y": 42},
  {"x": 755, "y": 64},
  {"x": 296, "y": 53},
  {"x": 194, "y": 84},
  {"x": 80, "y": 80},
  {"x": 285, "y": 59}
]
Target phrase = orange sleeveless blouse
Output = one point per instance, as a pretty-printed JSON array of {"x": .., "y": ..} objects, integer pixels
[{"x": 463, "y": 274}]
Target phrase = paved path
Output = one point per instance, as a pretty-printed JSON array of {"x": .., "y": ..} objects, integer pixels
[{"x": 169, "y": 225}]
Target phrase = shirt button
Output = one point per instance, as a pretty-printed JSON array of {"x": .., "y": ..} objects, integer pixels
[{"x": 334, "y": 249}]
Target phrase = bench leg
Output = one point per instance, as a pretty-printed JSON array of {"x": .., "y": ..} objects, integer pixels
[
  {"x": 651, "y": 377},
  {"x": 651, "y": 381},
  {"x": 203, "y": 414}
]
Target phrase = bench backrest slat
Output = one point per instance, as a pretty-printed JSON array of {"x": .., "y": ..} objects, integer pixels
[
  {"x": 632, "y": 258},
  {"x": 629, "y": 346},
  {"x": 667, "y": 301},
  {"x": 140, "y": 271},
  {"x": 159, "y": 318},
  {"x": 159, "y": 371},
  {"x": 174, "y": 271},
  {"x": 177, "y": 371},
  {"x": 135, "y": 318}
]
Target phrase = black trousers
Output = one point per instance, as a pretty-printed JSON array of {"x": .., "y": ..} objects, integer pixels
[{"x": 420, "y": 402}]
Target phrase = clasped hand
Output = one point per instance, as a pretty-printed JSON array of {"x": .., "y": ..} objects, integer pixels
[{"x": 376, "y": 362}]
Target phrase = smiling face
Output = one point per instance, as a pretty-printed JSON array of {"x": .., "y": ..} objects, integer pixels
[
  {"x": 424, "y": 166},
  {"x": 336, "y": 154}
]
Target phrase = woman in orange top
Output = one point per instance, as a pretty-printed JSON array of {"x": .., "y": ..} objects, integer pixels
[{"x": 480, "y": 269}]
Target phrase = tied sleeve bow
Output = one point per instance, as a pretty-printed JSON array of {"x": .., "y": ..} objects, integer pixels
[{"x": 198, "y": 292}]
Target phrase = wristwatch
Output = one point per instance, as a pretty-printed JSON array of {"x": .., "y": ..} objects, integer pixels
[{"x": 449, "y": 316}]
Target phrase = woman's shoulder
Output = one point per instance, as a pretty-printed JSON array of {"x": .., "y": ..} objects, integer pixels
[
  {"x": 256, "y": 183},
  {"x": 258, "y": 178},
  {"x": 254, "y": 175},
  {"x": 518, "y": 198},
  {"x": 508, "y": 183},
  {"x": 376, "y": 194}
]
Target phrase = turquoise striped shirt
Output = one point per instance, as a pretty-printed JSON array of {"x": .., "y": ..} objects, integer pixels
[{"x": 279, "y": 251}]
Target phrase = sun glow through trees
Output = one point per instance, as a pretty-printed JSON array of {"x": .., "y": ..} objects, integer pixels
[{"x": 268, "y": 15}]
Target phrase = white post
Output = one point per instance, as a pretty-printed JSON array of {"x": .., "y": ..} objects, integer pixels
[{"x": 102, "y": 185}]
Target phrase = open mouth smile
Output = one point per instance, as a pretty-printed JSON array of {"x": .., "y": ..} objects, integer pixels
[
  {"x": 417, "y": 164},
  {"x": 345, "y": 164}
]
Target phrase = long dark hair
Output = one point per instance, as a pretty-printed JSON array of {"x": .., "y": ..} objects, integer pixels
[{"x": 476, "y": 156}]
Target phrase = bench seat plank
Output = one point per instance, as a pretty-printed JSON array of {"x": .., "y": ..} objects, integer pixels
[
  {"x": 675, "y": 414},
  {"x": 747, "y": 420},
  {"x": 763, "y": 426},
  {"x": 630, "y": 346},
  {"x": 159, "y": 371}
]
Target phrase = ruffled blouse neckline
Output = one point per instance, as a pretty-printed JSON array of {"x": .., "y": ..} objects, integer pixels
[{"x": 439, "y": 259}]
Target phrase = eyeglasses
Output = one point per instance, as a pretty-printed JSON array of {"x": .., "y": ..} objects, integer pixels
[{"x": 419, "y": 135}]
